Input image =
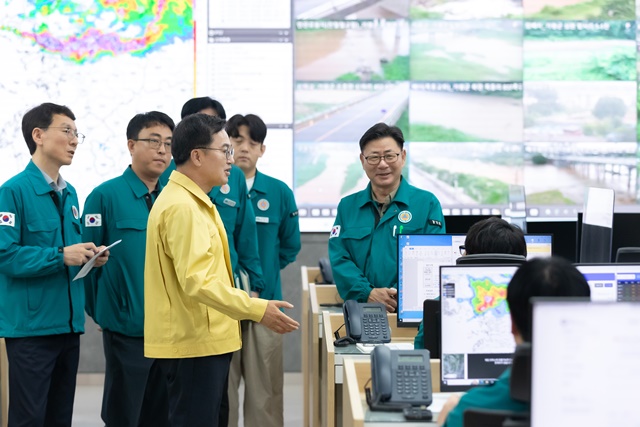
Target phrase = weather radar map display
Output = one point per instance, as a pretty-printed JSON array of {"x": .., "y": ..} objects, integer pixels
[
  {"x": 476, "y": 326},
  {"x": 106, "y": 60},
  {"x": 489, "y": 93}
]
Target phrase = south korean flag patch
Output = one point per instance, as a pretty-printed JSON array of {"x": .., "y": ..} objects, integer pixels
[
  {"x": 93, "y": 220},
  {"x": 335, "y": 231},
  {"x": 8, "y": 219}
]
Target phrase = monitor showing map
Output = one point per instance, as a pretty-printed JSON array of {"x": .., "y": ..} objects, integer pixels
[
  {"x": 419, "y": 259},
  {"x": 476, "y": 344}
]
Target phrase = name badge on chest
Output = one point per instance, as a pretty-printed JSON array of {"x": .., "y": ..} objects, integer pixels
[
  {"x": 262, "y": 219},
  {"x": 229, "y": 202}
]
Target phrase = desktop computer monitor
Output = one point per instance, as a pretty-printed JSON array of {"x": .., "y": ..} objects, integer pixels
[
  {"x": 584, "y": 363},
  {"x": 612, "y": 282},
  {"x": 419, "y": 259},
  {"x": 476, "y": 340}
]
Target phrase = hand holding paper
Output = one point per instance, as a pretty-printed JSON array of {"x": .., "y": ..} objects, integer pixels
[{"x": 92, "y": 262}]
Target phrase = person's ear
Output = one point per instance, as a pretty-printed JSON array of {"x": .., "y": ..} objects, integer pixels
[
  {"x": 130, "y": 144},
  {"x": 196, "y": 157},
  {"x": 37, "y": 135},
  {"x": 263, "y": 148}
]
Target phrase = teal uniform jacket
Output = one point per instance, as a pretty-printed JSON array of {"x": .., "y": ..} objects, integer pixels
[
  {"x": 118, "y": 209},
  {"x": 37, "y": 294},
  {"x": 278, "y": 230},
  {"x": 495, "y": 396},
  {"x": 364, "y": 256},
  {"x": 239, "y": 223}
]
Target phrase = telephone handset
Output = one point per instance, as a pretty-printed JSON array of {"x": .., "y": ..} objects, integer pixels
[
  {"x": 400, "y": 379},
  {"x": 366, "y": 322}
]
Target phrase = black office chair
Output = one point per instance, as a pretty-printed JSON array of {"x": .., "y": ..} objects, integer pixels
[
  {"x": 491, "y": 259},
  {"x": 628, "y": 255},
  {"x": 520, "y": 389}
]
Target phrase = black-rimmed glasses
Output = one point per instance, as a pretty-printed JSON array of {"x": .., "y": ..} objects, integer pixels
[
  {"x": 228, "y": 152},
  {"x": 388, "y": 158},
  {"x": 155, "y": 143},
  {"x": 71, "y": 133}
]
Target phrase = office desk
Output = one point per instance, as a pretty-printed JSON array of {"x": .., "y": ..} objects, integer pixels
[
  {"x": 333, "y": 358},
  {"x": 4, "y": 384},
  {"x": 319, "y": 295},
  {"x": 356, "y": 413}
]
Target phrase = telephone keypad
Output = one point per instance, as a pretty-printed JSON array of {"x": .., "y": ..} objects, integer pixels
[
  {"x": 374, "y": 326},
  {"x": 412, "y": 382}
]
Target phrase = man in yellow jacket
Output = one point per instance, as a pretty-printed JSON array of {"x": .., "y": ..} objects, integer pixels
[{"x": 192, "y": 309}]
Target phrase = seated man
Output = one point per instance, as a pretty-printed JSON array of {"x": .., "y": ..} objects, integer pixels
[
  {"x": 541, "y": 277},
  {"x": 489, "y": 236}
]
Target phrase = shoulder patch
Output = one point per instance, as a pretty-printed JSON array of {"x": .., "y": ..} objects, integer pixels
[
  {"x": 93, "y": 220},
  {"x": 435, "y": 222},
  {"x": 293, "y": 214},
  {"x": 8, "y": 219},
  {"x": 335, "y": 231}
]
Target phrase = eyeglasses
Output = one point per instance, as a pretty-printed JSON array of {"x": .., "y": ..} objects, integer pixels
[
  {"x": 70, "y": 133},
  {"x": 388, "y": 158},
  {"x": 463, "y": 250},
  {"x": 155, "y": 143},
  {"x": 228, "y": 152}
]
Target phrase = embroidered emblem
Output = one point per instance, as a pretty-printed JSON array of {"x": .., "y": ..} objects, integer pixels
[
  {"x": 263, "y": 204},
  {"x": 335, "y": 231},
  {"x": 93, "y": 220},
  {"x": 8, "y": 219},
  {"x": 404, "y": 217}
]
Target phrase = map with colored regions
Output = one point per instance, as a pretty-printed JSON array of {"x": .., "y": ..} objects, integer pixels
[
  {"x": 106, "y": 60},
  {"x": 488, "y": 295},
  {"x": 475, "y": 315}
]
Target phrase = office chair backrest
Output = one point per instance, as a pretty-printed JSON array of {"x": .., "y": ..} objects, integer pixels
[
  {"x": 628, "y": 254},
  {"x": 491, "y": 259}
]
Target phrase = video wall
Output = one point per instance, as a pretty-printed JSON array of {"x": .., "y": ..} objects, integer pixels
[{"x": 489, "y": 93}]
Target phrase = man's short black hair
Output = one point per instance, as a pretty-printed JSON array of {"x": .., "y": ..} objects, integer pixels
[
  {"x": 147, "y": 120},
  {"x": 542, "y": 277},
  {"x": 195, "y": 105},
  {"x": 41, "y": 117},
  {"x": 192, "y": 132},
  {"x": 257, "y": 128},
  {"x": 381, "y": 130},
  {"x": 495, "y": 236}
]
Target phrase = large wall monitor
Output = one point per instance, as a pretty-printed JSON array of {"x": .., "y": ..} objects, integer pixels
[{"x": 488, "y": 93}]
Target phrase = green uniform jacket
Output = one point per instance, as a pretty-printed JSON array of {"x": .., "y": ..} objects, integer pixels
[
  {"x": 239, "y": 223},
  {"x": 278, "y": 230},
  {"x": 364, "y": 256},
  {"x": 37, "y": 295},
  {"x": 496, "y": 396},
  {"x": 118, "y": 209}
]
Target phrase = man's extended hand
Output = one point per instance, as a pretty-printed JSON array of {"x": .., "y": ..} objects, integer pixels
[
  {"x": 387, "y": 296},
  {"x": 276, "y": 320}
]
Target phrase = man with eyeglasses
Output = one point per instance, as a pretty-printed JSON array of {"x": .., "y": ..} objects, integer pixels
[
  {"x": 134, "y": 394},
  {"x": 238, "y": 216},
  {"x": 192, "y": 308},
  {"x": 363, "y": 240},
  {"x": 41, "y": 251}
]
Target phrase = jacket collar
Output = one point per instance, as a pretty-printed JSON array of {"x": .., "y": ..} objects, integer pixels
[
  {"x": 402, "y": 195},
  {"x": 138, "y": 187},
  {"x": 38, "y": 182},
  {"x": 259, "y": 183},
  {"x": 184, "y": 181}
]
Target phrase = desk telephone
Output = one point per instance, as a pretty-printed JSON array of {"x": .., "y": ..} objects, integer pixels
[
  {"x": 400, "y": 379},
  {"x": 366, "y": 322}
]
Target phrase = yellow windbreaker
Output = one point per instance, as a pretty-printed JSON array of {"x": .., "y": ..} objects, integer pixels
[{"x": 191, "y": 306}]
